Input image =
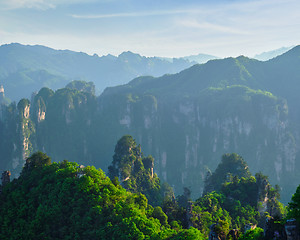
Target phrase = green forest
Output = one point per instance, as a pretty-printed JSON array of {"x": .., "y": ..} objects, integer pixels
[{"x": 66, "y": 200}]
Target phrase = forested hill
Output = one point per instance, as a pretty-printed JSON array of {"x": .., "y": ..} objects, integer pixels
[
  {"x": 25, "y": 69},
  {"x": 69, "y": 201},
  {"x": 187, "y": 121},
  {"x": 278, "y": 75}
]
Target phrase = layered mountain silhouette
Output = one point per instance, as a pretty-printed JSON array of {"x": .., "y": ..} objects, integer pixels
[
  {"x": 25, "y": 69},
  {"x": 187, "y": 121}
]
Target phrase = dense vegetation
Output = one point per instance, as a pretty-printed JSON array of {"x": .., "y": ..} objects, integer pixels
[
  {"x": 233, "y": 200},
  {"x": 68, "y": 201},
  {"x": 134, "y": 170},
  {"x": 294, "y": 206}
]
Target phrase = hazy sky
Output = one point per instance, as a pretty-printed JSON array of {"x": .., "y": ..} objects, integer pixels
[{"x": 170, "y": 28}]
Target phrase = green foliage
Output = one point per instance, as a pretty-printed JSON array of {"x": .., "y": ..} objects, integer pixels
[
  {"x": 226, "y": 213},
  {"x": 208, "y": 210},
  {"x": 134, "y": 170},
  {"x": 294, "y": 206},
  {"x": 231, "y": 165},
  {"x": 37, "y": 160},
  {"x": 82, "y": 86},
  {"x": 243, "y": 189},
  {"x": 23, "y": 103},
  {"x": 238, "y": 200},
  {"x": 254, "y": 234},
  {"x": 160, "y": 215},
  {"x": 188, "y": 234},
  {"x": 65, "y": 201}
]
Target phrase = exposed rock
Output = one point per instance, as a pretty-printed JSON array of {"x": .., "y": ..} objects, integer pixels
[
  {"x": 80, "y": 171},
  {"x": 26, "y": 111},
  {"x": 41, "y": 115},
  {"x": 249, "y": 227}
]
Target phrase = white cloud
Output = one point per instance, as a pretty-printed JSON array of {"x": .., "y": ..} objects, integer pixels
[
  {"x": 39, "y": 4},
  {"x": 136, "y": 14},
  {"x": 211, "y": 27},
  {"x": 242, "y": 27}
]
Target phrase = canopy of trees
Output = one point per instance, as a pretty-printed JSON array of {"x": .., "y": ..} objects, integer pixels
[
  {"x": 134, "y": 170},
  {"x": 68, "y": 201}
]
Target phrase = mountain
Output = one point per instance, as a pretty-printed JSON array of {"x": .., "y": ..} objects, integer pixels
[
  {"x": 271, "y": 54},
  {"x": 200, "y": 58},
  {"x": 25, "y": 69},
  {"x": 187, "y": 121}
]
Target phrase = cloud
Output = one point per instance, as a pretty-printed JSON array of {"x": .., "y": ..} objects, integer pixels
[
  {"x": 38, "y": 4},
  {"x": 211, "y": 27},
  {"x": 136, "y": 14},
  {"x": 223, "y": 28}
]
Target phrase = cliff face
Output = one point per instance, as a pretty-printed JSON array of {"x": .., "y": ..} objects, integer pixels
[
  {"x": 187, "y": 121},
  {"x": 186, "y": 137},
  {"x": 18, "y": 136},
  {"x": 189, "y": 136}
]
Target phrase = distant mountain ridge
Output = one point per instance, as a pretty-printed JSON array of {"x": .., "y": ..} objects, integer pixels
[
  {"x": 25, "y": 69},
  {"x": 265, "y": 56},
  {"x": 199, "y": 58}
]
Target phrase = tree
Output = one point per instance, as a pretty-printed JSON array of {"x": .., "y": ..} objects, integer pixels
[
  {"x": 37, "y": 160},
  {"x": 231, "y": 165},
  {"x": 294, "y": 206},
  {"x": 52, "y": 201},
  {"x": 255, "y": 234},
  {"x": 135, "y": 171}
]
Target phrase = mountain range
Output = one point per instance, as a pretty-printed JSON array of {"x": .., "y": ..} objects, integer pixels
[
  {"x": 272, "y": 54},
  {"x": 25, "y": 69},
  {"x": 187, "y": 120}
]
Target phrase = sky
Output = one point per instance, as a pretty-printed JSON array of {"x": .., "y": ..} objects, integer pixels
[{"x": 166, "y": 28}]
